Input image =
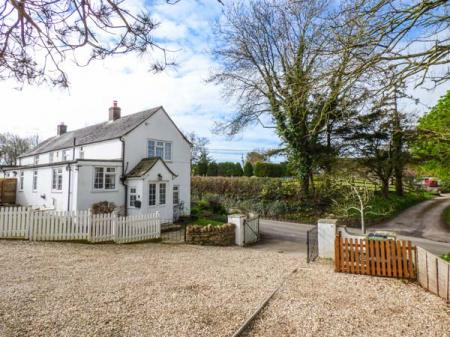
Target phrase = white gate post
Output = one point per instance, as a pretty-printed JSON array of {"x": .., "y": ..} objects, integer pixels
[
  {"x": 238, "y": 220},
  {"x": 326, "y": 235}
]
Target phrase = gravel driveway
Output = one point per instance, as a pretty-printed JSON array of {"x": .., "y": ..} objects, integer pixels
[
  {"x": 69, "y": 289},
  {"x": 320, "y": 302},
  {"x": 64, "y": 289}
]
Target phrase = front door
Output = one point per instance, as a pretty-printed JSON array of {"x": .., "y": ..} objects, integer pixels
[{"x": 159, "y": 200}]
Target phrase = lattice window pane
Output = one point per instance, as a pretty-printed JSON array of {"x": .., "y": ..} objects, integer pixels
[
  {"x": 176, "y": 195},
  {"x": 152, "y": 195},
  {"x": 162, "y": 193},
  {"x": 168, "y": 151},
  {"x": 160, "y": 149},
  {"x": 150, "y": 149},
  {"x": 98, "y": 179}
]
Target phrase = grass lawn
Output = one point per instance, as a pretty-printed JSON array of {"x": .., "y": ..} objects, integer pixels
[
  {"x": 206, "y": 222},
  {"x": 447, "y": 216}
]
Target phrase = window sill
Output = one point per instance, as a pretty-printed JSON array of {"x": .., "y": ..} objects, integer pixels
[
  {"x": 103, "y": 190},
  {"x": 57, "y": 191}
]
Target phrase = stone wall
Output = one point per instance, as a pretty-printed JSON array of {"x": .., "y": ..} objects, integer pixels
[{"x": 223, "y": 235}]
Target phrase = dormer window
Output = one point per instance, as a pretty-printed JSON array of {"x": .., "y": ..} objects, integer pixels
[
  {"x": 51, "y": 156},
  {"x": 36, "y": 160},
  {"x": 158, "y": 148}
]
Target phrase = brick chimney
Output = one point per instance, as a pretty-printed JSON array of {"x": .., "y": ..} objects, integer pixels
[
  {"x": 114, "y": 112},
  {"x": 61, "y": 129}
]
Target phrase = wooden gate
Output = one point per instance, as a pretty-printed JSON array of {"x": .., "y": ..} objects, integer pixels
[
  {"x": 389, "y": 258},
  {"x": 8, "y": 191}
]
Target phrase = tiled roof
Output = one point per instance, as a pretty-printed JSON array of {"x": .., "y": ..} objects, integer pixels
[
  {"x": 146, "y": 165},
  {"x": 94, "y": 133}
]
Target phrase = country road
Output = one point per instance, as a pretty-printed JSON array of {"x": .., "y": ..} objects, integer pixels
[
  {"x": 421, "y": 221},
  {"x": 422, "y": 224}
]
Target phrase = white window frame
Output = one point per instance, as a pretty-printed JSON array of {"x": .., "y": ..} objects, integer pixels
[
  {"x": 55, "y": 179},
  {"x": 36, "y": 160},
  {"x": 34, "y": 183},
  {"x": 160, "y": 193},
  {"x": 21, "y": 180},
  {"x": 132, "y": 193},
  {"x": 155, "y": 193},
  {"x": 104, "y": 174},
  {"x": 177, "y": 189},
  {"x": 64, "y": 155},
  {"x": 163, "y": 146}
]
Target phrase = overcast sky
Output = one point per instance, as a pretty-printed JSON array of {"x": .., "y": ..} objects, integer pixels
[{"x": 191, "y": 102}]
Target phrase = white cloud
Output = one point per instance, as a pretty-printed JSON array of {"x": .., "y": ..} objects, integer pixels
[{"x": 193, "y": 103}]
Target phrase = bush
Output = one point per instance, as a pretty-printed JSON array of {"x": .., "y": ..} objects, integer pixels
[
  {"x": 269, "y": 170},
  {"x": 103, "y": 207},
  {"x": 248, "y": 169}
]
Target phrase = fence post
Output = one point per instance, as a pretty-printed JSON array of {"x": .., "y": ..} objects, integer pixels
[
  {"x": 114, "y": 228},
  {"x": 30, "y": 222},
  {"x": 89, "y": 225},
  {"x": 238, "y": 220}
]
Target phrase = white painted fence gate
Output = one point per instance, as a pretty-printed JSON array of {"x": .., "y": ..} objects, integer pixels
[{"x": 24, "y": 223}]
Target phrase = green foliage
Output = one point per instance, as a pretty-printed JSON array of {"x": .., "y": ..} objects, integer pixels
[
  {"x": 446, "y": 257},
  {"x": 229, "y": 169},
  {"x": 213, "y": 169},
  {"x": 432, "y": 145},
  {"x": 248, "y": 169},
  {"x": 447, "y": 216},
  {"x": 201, "y": 167},
  {"x": 282, "y": 198},
  {"x": 270, "y": 170},
  {"x": 206, "y": 222}
]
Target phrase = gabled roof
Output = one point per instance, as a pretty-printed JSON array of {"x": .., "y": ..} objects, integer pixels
[
  {"x": 146, "y": 165},
  {"x": 94, "y": 133}
]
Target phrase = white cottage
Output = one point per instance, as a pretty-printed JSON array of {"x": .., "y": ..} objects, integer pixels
[{"x": 140, "y": 162}]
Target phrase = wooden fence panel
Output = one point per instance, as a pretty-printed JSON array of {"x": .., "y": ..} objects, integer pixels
[
  {"x": 8, "y": 190},
  {"x": 378, "y": 258}
]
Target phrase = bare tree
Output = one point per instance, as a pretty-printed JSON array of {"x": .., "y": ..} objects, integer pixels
[
  {"x": 199, "y": 146},
  {"x": 412, "y": 35},
  {"x": 286, "y": 59},
  {"x": 12, "y": 146},
  {"x": 355, "y": 197},
  {"x": 36, "y": 36}
]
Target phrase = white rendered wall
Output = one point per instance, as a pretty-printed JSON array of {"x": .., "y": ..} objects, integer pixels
[
  {"x": 87, "y": 195},
  {"x": 159, "y": 127},
  {"x": 44, "y": 196},
  {"x": 108, "y": 149}
]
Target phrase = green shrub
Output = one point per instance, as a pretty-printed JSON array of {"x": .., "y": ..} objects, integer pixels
[
  {"x": 447, "y": 216},
  {"x": 248, "y": 169},
  {"x": 262, "y": 169},
  {"x": 446, "y": 257}
]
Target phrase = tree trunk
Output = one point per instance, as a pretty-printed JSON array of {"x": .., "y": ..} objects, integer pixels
[
  {"x": 385, "y": 187},
  {"x": 397, "y": 155}
]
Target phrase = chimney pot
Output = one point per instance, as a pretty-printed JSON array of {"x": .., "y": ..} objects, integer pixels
[
  {"x": 114, "y": 111},
  {"x": 61, "y": 129}
]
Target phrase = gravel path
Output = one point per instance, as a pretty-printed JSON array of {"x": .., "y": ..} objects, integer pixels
[
  {"x": 320, "y": 302},
  {"x": 65, "y": 289}
]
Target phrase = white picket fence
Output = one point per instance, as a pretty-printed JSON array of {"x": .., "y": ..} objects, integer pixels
[{"x": 25, "y": 223}]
